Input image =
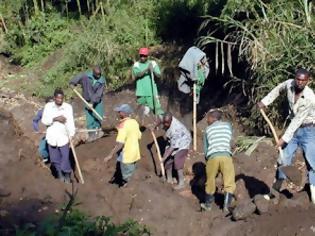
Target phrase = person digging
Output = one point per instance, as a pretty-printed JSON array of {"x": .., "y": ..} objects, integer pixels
[
  {"x": 217, "y": 148},
  {"x": 144, "y": 71},
  {"x": 301, "y": 130},
  {"x": 93, "y": 85},
  {"x": 127, "y": 143},
  {"x": 179, "y": 140}
]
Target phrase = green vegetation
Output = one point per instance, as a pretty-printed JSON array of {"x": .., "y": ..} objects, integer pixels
[
  {"x": 76, "y": 224},
  {"x": 272, "y": 37},
  {"x": 253, "y": 44}
]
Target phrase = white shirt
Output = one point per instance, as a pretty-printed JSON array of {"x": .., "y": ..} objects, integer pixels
[
  {"x": 301, "y": 112},
  {"x": 178, "y": 136},
  {"x": 57, "y": 133}
]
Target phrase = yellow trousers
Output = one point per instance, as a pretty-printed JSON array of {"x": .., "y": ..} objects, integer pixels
[{"x": 225, "y": 165}]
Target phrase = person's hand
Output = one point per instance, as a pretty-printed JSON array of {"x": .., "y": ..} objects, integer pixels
[
  {"x": 90, "y": 106},
  {"x": 106, "y": 159},
  {"x": 72, "y": 86},
  {"x": 60, "y": 119},
  {"x": 280, "y": 143},
  {"x": 260, "y": 105}
]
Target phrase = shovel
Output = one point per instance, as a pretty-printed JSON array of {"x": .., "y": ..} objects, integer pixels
[{"x": 291, "y": 172}]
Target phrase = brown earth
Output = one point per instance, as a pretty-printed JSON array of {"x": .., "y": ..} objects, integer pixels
[
  {"x": 29, "y": 193},
  {"x": 34, "y": 193}
]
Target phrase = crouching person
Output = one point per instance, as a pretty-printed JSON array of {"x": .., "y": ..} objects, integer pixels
[
  {"x": 179, "y": 140},
  {"x": 217, "y": 148},
  {"x": 58, "y": 117},
  {"x": 127, "y": 143}
]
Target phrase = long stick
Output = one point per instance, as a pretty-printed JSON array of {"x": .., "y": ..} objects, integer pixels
[
  {"x": 75, "y": 159},
  {"x": 88, "y": 105},
  {"x": 194, "y": 118},
  {"x": 272, "y": 130},
  {"x": 159, "y": 154},
  {"x": 153, "y": 95}
]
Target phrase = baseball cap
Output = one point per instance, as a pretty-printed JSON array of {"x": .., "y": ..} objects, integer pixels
[
  {"x": 126, "y": 108},
  {"x": 144, "y": 51}
]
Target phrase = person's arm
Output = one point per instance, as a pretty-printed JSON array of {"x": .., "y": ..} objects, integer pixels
[
  {"x": 37, "y": 119},
  {"x": 70, "y": 122},
  {"x": 117, "y": 147},
  {"x": 296, "y": 122},
  {"x": 137, "y": 73},
  {"x": 77, "y": 79},
  {"x": 267, "y": 100},
  {"x": 47, "y": 118},
  {"x": 167, "y": 153},
  {"x": 205, "y": 143},
  {"x": 156, "y": 69}
]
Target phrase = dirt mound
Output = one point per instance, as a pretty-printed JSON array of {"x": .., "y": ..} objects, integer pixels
[{"x": 34, "y": 193}]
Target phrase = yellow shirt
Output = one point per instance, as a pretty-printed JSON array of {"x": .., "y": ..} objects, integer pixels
[{"x": 129, "y": 134}]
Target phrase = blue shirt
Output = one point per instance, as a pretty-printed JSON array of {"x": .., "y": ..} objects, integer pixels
[{"x": 37, "y": 119}]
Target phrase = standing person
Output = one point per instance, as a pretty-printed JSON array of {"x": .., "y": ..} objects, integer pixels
[
  {"x": 217, "y": 149},
  {"x": 146, "y": 89},
  {"x": 58, "y": 116},
  {"x": 127, "y": 143},
  {"x": 175, "y": 154},
  {"x": 43, "y": 146},
  {"x": 93, "y": 86},
  {"x": 301, "y": 130}
]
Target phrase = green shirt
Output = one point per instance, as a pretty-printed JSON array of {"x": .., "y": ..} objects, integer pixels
[{"x": 144, "y": 84}]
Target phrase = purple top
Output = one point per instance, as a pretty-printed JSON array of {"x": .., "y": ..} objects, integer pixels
[{"x": 37, "y": 119}]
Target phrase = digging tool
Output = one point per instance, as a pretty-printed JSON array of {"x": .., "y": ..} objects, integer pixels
[
  {"x": 291, "y": 172},
  {"x": 159, "y": 154},
  {"x": 88, "y": 105},
  {"x": 194, "y": 117},
  {"x": 275, "y": 136},
  {"x": 75, "y": 158}
]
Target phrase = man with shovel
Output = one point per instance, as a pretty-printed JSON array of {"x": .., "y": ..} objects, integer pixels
[
  {"x": 58, "y": 117},
  {"x": 301, "y": 130},
  {"x": 93, "y": 85},
  {"x": 144, "y": 71},
  {"x": 127, "y": 143},
  {"x": 176, "y": 152}
]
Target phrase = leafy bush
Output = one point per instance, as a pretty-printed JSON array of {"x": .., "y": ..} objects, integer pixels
[
  {"x": 77, "y": 224},
  {"x": 41, "y": 35}
]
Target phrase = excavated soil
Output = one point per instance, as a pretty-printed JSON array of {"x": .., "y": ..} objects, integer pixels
[{"x": 29, "y": 193}]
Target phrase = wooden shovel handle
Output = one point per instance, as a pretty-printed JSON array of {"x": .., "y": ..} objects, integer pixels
[{"x": 158, "y": 153}]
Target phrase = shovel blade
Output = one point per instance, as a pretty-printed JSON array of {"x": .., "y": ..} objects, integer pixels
[{"x": 293, "y": 174}]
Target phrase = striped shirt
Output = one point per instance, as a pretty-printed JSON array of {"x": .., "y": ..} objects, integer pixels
[{"x": 217, "y": 139}]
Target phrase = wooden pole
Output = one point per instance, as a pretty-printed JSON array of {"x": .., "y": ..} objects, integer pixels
[
  {"x": 159, "y": 154},
  {"x": 194, "y": 118},
  {"x": 75, "y": 158},
  {"x": 272, "y": 130},
  {"x": 87, "y": 104}
]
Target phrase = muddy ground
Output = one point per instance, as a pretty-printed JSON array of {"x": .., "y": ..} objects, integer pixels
[{"x": 29, "y": 192}]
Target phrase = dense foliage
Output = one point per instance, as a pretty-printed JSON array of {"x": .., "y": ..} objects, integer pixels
[{"x": 274, "y": 38}]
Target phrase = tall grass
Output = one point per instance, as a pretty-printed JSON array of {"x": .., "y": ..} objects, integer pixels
[{"x": 274, "y": 38}]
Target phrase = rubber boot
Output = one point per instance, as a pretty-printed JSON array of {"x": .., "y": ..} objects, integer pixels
[
  {"x": 67, "y": 178},
  {"x": 312, "y": 190},
  {"x": 228, "y": 199},
  {"x": 181, "y": 180},
  {"x": 169, "y": 177},
  {"x": 207, "y": 205}
]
